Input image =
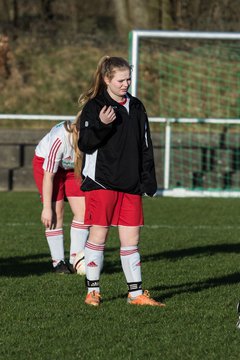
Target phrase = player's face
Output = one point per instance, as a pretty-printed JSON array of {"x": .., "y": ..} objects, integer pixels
[{"x": 118, "y": 86}]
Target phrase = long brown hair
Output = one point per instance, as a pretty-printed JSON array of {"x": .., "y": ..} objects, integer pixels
[
  {"x": 73, "y": 128},
  {"x": 106, "y": 67}
]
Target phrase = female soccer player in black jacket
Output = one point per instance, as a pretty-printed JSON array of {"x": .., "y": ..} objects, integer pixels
[{"x": 118, "y": 168}]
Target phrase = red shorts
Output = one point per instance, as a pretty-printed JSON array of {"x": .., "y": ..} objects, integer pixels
[
  {"x": 108, "y": 207},
  {"x": 64, "y": 183}
]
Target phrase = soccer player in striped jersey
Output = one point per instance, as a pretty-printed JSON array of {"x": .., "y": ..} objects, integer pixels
[
  {"x": 118, "y": 168},
  {"x": 56, "y": 168}
]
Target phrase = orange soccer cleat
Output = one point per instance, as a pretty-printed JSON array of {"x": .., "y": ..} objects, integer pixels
[
  {"x": 144, "y": 299},
  {"x": 93, "y": 298}
]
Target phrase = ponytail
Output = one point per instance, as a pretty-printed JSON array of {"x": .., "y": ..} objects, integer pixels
[{"x": 73, "y": 129}]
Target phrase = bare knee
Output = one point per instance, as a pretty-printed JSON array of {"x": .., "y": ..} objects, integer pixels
[
  {"x": 98, "y": 234},
  {"x": 129, "y": 236}
]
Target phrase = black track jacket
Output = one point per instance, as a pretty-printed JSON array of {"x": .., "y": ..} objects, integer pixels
[{"x": 117, "y": 156}]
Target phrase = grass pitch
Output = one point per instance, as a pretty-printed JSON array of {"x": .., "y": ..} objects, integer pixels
[{"x": 190, "y": 260}]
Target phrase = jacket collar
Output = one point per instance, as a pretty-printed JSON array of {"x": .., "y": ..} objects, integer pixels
[{"x": 112, "y": 101}]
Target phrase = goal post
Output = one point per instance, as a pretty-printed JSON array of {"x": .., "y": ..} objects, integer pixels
[{"x": 190, "y": 84}]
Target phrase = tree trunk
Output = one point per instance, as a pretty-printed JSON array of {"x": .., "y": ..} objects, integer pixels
[
  {"x": 167, "y": 11},
  {"x": 122, "y": 17},
  {"x": 194, "y": 12},
  {"x": 154, "y": 14},
  {"x": 47, "y": 9},
  {"x": 15, "y": 13},
  {"x": 4, "y": 11},
  {"x": 139, "y": 14},
  {"x": 178, "y": 14},
  {"x": 5, "y": 70}
]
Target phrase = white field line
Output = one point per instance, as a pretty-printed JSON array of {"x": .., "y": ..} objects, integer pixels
[{"x": 153, "y": 227}]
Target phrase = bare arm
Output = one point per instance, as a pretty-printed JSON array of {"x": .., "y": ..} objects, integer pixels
[{"x": 47, "y": 213}]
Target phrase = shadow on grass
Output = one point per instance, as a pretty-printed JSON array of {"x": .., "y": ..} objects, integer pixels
[
  {"x": 174, "y": 255},
  {"x": 111, "y": 267},
  {"x": 37, "y": 264},
  {"x": 207, "y": 250},
  {"x": 194, "y": 287},
  {"x": 20, "y": 266},
  {"x": 190, "y": 287}
]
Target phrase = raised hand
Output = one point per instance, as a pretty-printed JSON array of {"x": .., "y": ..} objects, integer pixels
[{"x": 107, "y": 114}]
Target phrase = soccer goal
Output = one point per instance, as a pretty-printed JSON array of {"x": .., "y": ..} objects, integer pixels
[{"x": 190, "y": 85}]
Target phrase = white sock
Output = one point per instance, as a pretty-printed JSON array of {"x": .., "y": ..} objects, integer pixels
[
  {"x": 131, "y": 265},
  {"x": 94, "y": 255},
  {"x": 56, "y": 245},
  {"x": 78, "y": 235}
]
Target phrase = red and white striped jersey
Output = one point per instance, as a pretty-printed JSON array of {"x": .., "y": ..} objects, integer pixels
[{"x": 57, "y": 149}]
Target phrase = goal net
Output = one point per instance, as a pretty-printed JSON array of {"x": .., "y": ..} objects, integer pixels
[{"x": 190, "y": 84}]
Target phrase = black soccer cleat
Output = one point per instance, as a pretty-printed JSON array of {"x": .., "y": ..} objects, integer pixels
[
  {"x": 61, "y": 268},
  {"x": 71, "y": 268}
]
